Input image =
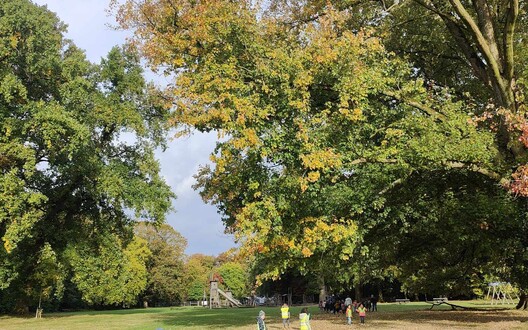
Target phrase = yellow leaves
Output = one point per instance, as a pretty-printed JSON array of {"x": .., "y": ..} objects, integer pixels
[
  {"x": 7, "y": 245},
  {"x": 352, "y": 115},
  {"x": 222, "y": 160},
  {"x": 303, "y": 183},
  {"x": 13, "y": 40},
  {"x": 394, "y": 133},
  {"x": 321, "y": 159},
  {"x": 317, "y": 161},
  {"x": 8, "y": 131},
  {"x": 318, "y": 232},
  {"x": 313, "y": 176},
  {"x": 249, "y": 139},
  {"x": 298, "y": 104}
]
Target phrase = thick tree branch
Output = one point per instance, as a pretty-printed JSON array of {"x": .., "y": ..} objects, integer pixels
[
  {"x": 380, "y": 161},
  {"x": 464, "y": 44},
  {"x": 505, "y": 98},
  {"x": 485, "y": 22},
  {"x": 433, "y": 9},
  {"x": 422, "y": 107},
  {"x": 504, "y": 182},
  {"x": 509, "y": 29},
  {"x": 474, "y": 168}
]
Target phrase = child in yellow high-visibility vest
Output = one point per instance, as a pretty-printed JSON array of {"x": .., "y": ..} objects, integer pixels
[
  {"x": 285, "y": 313},
  {"x": 349, "y": 314},
  {"x": 304, "y": 319},
  {"x": 362, "y": 313}
]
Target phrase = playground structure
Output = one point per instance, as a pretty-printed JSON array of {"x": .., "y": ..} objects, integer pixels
[
  {"x": 214, "y": 297},
  {"x": 501, "y": 292}
]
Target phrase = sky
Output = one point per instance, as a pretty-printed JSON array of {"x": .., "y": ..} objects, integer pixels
[{"x": 88, "y": 27}]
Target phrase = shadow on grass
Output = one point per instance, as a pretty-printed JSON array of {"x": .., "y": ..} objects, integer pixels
[
  {"x": 204, "y": 318},
  {"x": 179, "y": 317},
  {"x": 220, "y": 318},
  {"x": 435, "y": 317},
  {"x": 89, "y": 312}
]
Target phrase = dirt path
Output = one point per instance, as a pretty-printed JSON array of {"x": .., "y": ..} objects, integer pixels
[{"x": 418, "y": 320}]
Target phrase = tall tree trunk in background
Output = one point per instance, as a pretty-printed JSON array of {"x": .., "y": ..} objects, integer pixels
[
  {"x": 358, "y": 292},
  {"x": 523, "y": 301},
  {"x": 322, "y": 287}
]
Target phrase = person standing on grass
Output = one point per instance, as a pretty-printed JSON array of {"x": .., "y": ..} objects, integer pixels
[
  {"x": 285, "y": 313},
  {"x": 304, "y": 319},
  {"x": 349, "y": 314},
  {"x": 362, "y": 311},
  {"x": 261, "y": 325},
  {"x": 373, "y": 303}
]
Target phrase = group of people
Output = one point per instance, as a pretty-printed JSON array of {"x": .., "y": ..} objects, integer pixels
[
  {"x": 331, "y": 305},
  {"x": 349, "y": 308},
  {"x": 361, "y": 310},
  {"x": 304, "y": 318}
]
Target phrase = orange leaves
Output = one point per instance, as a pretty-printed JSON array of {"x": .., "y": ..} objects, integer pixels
[
  {"x": 306, "y": 252},
  {"x": 519, "y": 185},
  {"x": 517, "y": 126},
  {"x": 178, "y": 32}
]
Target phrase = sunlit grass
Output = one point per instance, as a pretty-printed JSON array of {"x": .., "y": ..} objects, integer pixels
[{"x": 414, "y": 315}]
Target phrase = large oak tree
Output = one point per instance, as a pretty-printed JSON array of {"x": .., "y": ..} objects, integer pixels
[
  {"x": 328, "y": 109},
  {"x": 76, "y": 155}
]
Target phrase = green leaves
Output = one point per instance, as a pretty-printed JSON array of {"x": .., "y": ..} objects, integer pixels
[
  {"x": 165, "y": 266},
  {"x": 76, "y": 153},
  {"x": 326, "y": 110},
  {"x": 109, "y": 274},
  {"x": 235, "y": 278}
]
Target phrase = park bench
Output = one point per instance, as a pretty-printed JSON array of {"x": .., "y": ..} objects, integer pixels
[{"x": 399, "y": 301}]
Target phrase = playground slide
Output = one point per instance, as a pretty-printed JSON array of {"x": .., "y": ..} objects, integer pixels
[{"x": 232, "y": 300}]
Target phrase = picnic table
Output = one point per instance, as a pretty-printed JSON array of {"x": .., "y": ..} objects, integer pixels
[
  {"x": 444, "y": 301},
  {"x": 399, "y": 301}
]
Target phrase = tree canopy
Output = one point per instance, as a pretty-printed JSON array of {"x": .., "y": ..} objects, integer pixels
[
  {"x": 327, "y": 110},
  {"x": 76, "y": 158},
  {"x": 166, "y": 264}
]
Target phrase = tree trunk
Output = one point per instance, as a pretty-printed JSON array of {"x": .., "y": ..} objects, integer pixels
[
  {"x": 523, "y": 301},
  {"x": 322, "y": 288},
  {"x": 358, "y": 292}
]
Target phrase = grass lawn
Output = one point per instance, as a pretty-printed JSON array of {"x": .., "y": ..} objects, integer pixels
[{"x": 390, "y": 316}]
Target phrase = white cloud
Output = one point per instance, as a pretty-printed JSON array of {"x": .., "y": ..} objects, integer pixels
[{"x": 198, "y": 222}]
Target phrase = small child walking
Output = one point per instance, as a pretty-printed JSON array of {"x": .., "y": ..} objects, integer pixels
[
  {"x": 261, "y": 325},
  {"x": 362, "y": 313},
  {"x": 285, "y": 314},
  {"x": 349, "y": 314}
]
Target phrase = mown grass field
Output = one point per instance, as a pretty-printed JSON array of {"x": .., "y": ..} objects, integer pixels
[{"x": 390, "y": 316}]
